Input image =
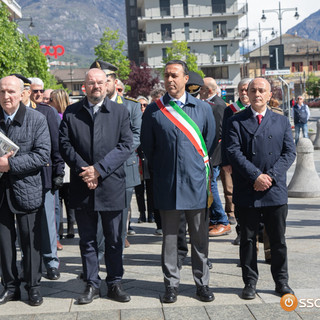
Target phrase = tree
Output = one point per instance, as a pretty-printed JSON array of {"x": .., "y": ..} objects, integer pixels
[
  {"x": 313, "y": 85},
  {"x": 141, "y": 80},
  {"x": 111, "y": 50},
  {"x": 180, "y": 51},
  {"x": 20, "y": 55}
]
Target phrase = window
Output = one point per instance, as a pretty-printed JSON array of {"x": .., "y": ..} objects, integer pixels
[
  {"x": 216, "y": 72},
  {"x": 185, "y": 7},
  {"x": 297, "y": 67},
  {"x": 219, "y": 29},
  {"x": 166, "y": 32},
  {"x": 76, "y": 86},
  {"x": 218, "y": 6},
  {"x": 132, "y": 3},
  {"x": 220, "y": 52},
  {"x": 165, "y": 7},
  {"x": 186, "y": 31},
  {"x": 164, "y": 53}
]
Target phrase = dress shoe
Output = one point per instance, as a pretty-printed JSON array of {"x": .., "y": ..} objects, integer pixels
[
  {"x": 205, "y": 294},
  {"x": 89, "y": 294},
  {"x": 142, "y": 217},
  {"x": 117, "y": 293},
  {"x": 249, "y": 291},
  {"x": 7, "y": 295},
  {"x": 170, "y": 295},
  {"x": 232, "y": 220},
  {"x": 35, "y": 297},
  {"x": 283, "y": 289},
  {"x": 59, "y": 246},
  {"x": 70, "y": 232},
  {"x": 236, "y": 241},
  {"x": 209, "y": 263},
  {"x": 53, "y": 274},
  {"x": 219, "y": 230}
]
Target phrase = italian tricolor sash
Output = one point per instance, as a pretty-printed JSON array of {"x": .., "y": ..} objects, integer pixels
[
  {"x": 236, "y": 106},
  {"x": 185, "y": 124}
]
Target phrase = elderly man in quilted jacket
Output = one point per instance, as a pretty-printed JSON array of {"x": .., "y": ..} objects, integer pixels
[{"x": 21, "y": 192}]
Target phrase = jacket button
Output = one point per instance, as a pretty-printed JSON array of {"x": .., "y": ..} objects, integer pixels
[
  {"x": 270, "y": 137},
  {"x": 253, "y": 153},
  {"x": 270, "y": 153}
]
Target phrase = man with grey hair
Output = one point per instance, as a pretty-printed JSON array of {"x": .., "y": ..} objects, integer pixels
[
  {"x": 53, "y": 174},
  {"x": 225, "y": 174},
  {"x": 21, "y": 191},
  {"x": 36, "y": 90},
  {"x": 157, "y": 94},
  {"x": 301, "y": 114}
]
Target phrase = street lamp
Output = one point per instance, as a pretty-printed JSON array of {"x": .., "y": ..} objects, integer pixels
[
  {"x": 31, "y": 25},
  {"x": 259, "y": 30},
  {"x": 279, "y": 12}
]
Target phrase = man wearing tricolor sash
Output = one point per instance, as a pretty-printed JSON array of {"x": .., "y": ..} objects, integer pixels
[{"x": 177, "y": 136}]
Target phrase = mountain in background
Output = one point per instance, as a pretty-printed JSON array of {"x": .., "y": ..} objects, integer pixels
[
  {"x": 309, "y": 28},
  {"x": 75, "y": 24}
]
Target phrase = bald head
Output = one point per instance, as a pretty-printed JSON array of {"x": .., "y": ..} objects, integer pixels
[
  {"x": 95, "y": 85},
  {"x": 209, "y": 88},
  {"x": 259, "y": 92},
  {"x": 11, "y": 89}
]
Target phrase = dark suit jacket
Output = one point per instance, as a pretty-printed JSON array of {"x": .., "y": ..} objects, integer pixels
[
  {"x": 253, "y": 149},
  {"x": 218, "y": 105},
  {"x": 131, "y": 166},
  {"x": 105, "y": 142},
  {"x": 55, "y": 165}
]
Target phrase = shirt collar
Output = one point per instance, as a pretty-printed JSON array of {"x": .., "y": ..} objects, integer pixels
[
  {"x": 255, "y": 113},
  {"x": 209, "y": 99},
  {"x": 98, "y": 104},
  {"x": 6, "y": 116},
  {"x": 183, "y": 99}
]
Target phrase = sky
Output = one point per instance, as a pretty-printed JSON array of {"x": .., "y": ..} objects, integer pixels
[{"x": 255, "y": 7}]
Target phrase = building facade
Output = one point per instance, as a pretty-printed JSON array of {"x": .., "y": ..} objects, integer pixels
[
  {"x": 301, "y": 58},
  {"x": 210, "y": 27}
]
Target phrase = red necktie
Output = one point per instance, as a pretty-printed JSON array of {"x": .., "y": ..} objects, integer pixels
[{"x": 259, "y": 117}]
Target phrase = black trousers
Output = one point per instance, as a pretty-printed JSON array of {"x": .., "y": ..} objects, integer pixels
[
  {"x": 112, "y": 225},
  {"x": 29, "y": 227},
  {"x": 274, "y": 218}
]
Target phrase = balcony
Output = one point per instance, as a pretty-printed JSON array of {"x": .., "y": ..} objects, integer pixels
[
  {"x": 194, "y": 36},
  {"x": 174, "y": 12}
]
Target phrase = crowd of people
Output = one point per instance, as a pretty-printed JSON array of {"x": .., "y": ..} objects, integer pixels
[{"x": 170, "y": 147}]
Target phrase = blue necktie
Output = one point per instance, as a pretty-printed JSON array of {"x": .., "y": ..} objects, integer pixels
[{"x": 179, "y": 103}]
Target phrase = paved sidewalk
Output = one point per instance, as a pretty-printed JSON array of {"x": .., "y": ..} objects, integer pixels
[{"x": 144, "y": 281}]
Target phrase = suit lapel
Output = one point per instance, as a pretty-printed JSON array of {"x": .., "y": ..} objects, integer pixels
[{"x": 249, "y": 122}]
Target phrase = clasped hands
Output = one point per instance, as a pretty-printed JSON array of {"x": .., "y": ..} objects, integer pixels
[
  {"x": 90, "y": 176},
  {"x": 263, "y": 182}
]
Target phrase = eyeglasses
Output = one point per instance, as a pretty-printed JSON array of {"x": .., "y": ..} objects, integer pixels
[{"x": 36, "y": 91}]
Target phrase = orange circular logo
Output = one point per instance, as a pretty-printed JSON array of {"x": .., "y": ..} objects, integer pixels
[{"x": 289, "y": 302}]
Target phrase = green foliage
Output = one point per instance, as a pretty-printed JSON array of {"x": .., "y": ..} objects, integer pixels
[
  {"x": 180, "y": 51},
  {"x": 19, "y": 55},
  {"x": 111, "y": 50},
  {"x": 313, "y": 85}
]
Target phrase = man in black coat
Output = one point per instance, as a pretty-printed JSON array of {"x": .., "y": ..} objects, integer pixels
[
  {"x": 261, "y": 149},
  {"x": 21, "y": 191},
  {"x": 95, "y": 141}
]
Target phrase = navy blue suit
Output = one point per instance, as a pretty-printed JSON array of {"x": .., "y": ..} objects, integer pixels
[{"x": 254, "y": 149}]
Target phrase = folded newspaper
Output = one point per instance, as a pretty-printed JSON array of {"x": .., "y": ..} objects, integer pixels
[{"x": 6, "y": 145}]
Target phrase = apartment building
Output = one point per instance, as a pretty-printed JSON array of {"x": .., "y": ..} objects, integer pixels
[
  {"x": 210, "y": 27},
  {"x": 14, "y": 9}
]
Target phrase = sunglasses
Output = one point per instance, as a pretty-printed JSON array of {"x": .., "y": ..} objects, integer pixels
[
  {"x": 144, "y": 104},
  {"x": 36, "y": 91}
]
